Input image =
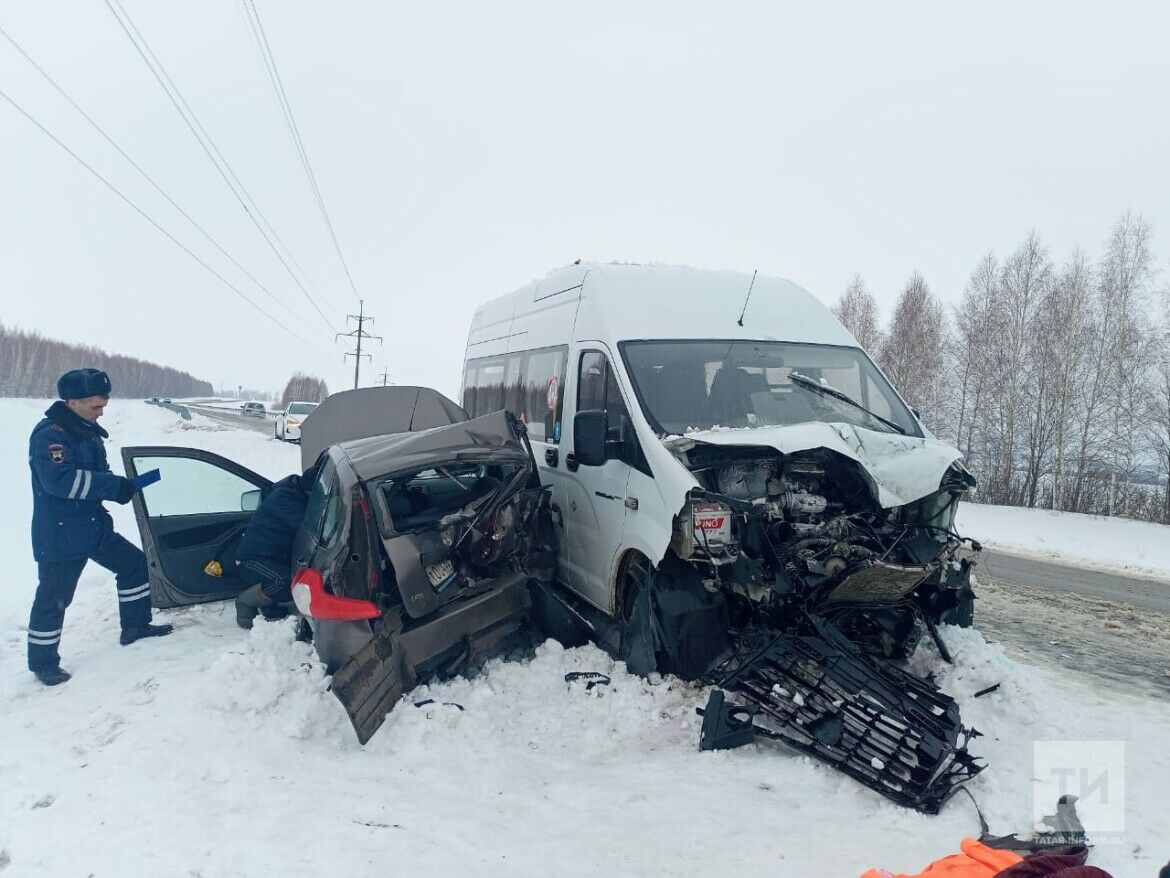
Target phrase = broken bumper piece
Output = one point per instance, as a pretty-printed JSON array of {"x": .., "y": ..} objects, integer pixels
[{"x": 819, "y": 694}]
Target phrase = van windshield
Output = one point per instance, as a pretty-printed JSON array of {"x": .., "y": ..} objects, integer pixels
[
  {"x": 685, "y": 386},
  {"x": 301, "y": 408}
]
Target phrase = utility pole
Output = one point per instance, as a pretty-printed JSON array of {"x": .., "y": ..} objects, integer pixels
[
  {"x": 385, "y": 376},
  {"x": 359, "y": 334}
]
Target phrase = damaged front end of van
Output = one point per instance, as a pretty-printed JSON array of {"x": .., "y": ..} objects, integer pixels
[{"x": 808, "y": 561}]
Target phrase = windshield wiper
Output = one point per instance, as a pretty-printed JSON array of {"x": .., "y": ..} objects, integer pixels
[{"x": 824, "y": 390}]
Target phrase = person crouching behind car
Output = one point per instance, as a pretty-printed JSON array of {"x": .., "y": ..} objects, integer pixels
[
  {"x": 265, "y": 553},
  {"x": 70, "y": 479}
]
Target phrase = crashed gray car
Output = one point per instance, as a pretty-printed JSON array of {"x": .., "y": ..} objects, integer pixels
[{"x": 423, "y": 533}]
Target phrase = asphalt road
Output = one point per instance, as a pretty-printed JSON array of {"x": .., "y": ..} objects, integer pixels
[
  {"x": 1148, "y": 594},
  {"x": 234, "y": 419},
  {"x": 1114, "y": 627}
]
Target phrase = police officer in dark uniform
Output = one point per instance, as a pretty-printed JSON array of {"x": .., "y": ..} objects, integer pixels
[
  {"x": 70, "y": 479},
  {"x": 265, "y": 552}
]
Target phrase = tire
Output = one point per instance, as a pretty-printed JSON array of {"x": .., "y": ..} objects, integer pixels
[
  {"x": 636, "y": 641},
  {"x": 275, "y": 434},
  {"x": 670, "y": 623},
  {"x": 633, "y": 577}
]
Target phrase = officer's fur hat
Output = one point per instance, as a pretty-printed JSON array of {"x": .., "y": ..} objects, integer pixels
[{"x": 83, "y": 383}]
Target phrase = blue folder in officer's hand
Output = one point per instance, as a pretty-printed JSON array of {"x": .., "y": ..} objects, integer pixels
[{"x": 147, "y": 478}]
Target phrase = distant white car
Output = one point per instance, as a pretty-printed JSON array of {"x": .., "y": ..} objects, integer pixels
[{"x": 288, "y": 422}]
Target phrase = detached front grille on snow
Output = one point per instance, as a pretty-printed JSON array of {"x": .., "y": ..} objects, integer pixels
[{"x": 820, "y": 694}]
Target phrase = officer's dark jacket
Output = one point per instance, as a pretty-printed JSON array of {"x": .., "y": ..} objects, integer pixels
[
  {"x": 70, "y": 479},
  {"x": 270, "y": 533}
]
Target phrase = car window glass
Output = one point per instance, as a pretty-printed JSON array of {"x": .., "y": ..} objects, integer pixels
[
  {"x": 531, "y": 384},
  {"x": 591, "y": 381},
  {"x": 697, "y": 385},
  {"x": 318, "y": 496},
  {"x": 543, "y": 399},
  {"x": 615, "y": 406},
  {"x": 489, "y": 387},
  {"x": 513, "y": 386},
  {"x": 191, "y": 487},
  {"x": 421, "y": 498},
  {"x": 469, "y": 390},
  {"x": 332, "y": 515}
]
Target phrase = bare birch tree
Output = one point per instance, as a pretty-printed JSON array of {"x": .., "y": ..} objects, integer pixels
[
  {"x": 858, "y": 310},
  {"x": 913, "y": 352},
  {"x": 971, "y": 364}
]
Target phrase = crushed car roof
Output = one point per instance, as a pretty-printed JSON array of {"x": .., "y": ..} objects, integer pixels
[
  {"x": 490, "y": 434},
  {"x": 374, "y": 411}
]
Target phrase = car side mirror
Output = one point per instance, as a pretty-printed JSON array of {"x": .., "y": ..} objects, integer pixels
[
  {"x": 250, "y": 501},
  {"x": 589, "y": 437}
]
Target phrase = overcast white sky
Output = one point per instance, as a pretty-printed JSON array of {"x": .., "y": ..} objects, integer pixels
[{"x": 464, "y": 149}]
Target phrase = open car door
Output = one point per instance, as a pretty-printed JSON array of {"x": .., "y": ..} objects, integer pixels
[{"x": 191, "y": 521}]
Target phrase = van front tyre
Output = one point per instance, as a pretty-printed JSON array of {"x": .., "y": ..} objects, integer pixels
[{"x": 636, "y": 639}]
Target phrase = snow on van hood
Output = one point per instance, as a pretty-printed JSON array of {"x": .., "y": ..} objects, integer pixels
[{"x": 903, "y": 468}]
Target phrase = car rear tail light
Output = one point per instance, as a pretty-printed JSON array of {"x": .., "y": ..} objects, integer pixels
[{"x": 314, "y": 602}]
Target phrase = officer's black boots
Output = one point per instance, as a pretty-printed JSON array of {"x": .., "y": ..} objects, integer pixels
[
  {"x": 129, "y": 635},
  {"x": 53, "y": 676},
  {"x": 249, "y": 602}
]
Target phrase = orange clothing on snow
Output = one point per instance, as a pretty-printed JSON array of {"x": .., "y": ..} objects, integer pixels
[{"x": 977, "y": 860}]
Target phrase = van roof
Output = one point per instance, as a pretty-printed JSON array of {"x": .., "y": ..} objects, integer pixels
[{"x": 623, "y": 302}]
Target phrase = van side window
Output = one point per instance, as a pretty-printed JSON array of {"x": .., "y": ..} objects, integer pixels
[
  {"x": 529, "y": 383},
  {"x": 597, "y": 390},
  {"x": 469, "y": 389},
  {"x": 543, "y": 399}
]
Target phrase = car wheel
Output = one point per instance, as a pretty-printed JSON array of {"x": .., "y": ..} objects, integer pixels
[
  {"x": 636, "y": 638},
  {"x": 633, "y": 578}
]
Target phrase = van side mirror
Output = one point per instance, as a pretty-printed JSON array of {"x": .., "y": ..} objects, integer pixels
[
  {"x": 250, "y": 501},
  {"x": 589, "y": 437}
]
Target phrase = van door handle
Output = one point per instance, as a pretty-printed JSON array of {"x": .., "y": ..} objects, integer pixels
[
  {"x": 551, "y": 456},
  {"x": 571, "y": 462}
]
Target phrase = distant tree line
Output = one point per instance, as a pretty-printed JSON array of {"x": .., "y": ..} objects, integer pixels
[
  {"x": 305, "y": 388},
  {"x": 1052, "y": 379},
  {"x": 30, "y": 365}
]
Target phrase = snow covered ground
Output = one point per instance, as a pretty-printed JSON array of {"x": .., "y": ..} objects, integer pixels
[
  {"x": 217, "y": 752},
  {"x": 1115, "y": 544}
]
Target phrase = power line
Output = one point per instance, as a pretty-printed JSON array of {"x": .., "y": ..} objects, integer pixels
[
  {"x": 277, "y": 83},
  {"x": 212, "y": 151},
  {"x": 158, "y": 188},
  {"x": 150, "y": 219},
  {"x": 359, "y": 334}
]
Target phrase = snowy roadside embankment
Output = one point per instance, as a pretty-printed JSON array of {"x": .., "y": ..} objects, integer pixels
[
  {"x": 221, "y": 752},
  {"x": 1114, "y": 544}
]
